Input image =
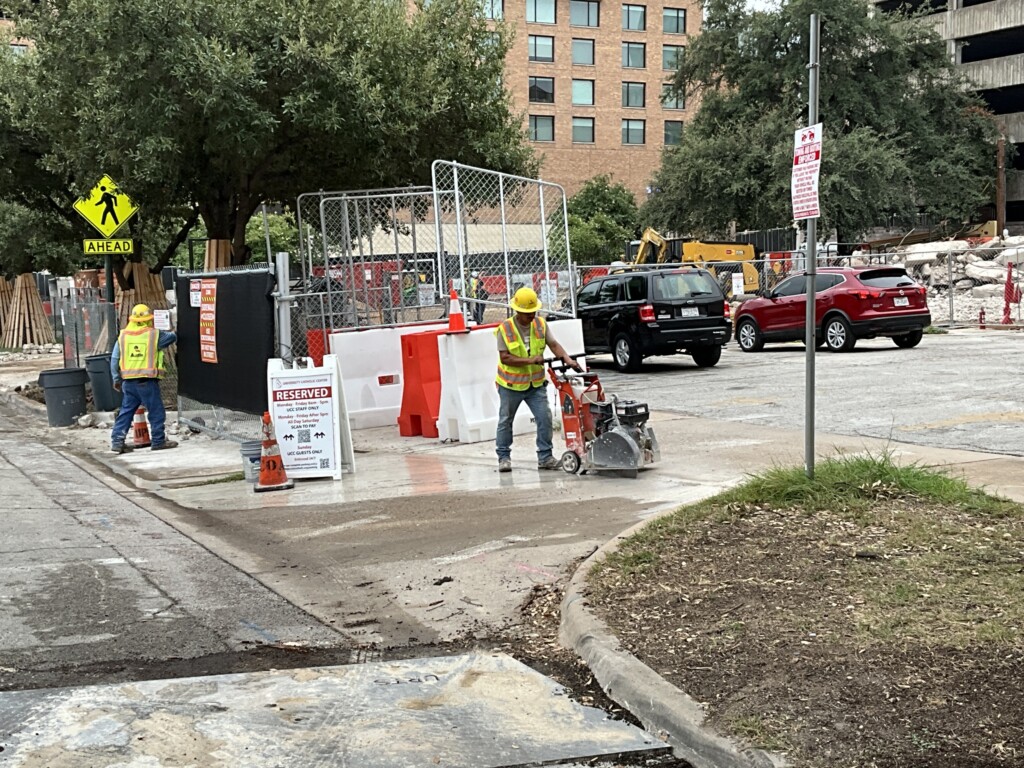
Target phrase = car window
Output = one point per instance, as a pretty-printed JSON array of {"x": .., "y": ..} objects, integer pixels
[
  {"x": 824, "y": 282},
  {"x": 635, "y": 288},
  {"x": 609, "y": 292},
  {"x": 588, "y": 294},
  {"x": 672, "y": 286},
  {"x": 886, "y": 278},
  {"x": 792, "y": 286}
]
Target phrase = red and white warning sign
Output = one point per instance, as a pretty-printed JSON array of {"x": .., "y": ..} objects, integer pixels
[
  {"x": 806, "y": 169},
  {"x": 208, "y": 321}
]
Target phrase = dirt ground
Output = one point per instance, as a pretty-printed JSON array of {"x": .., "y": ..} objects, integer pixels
[{"x": 892, "y": 638}]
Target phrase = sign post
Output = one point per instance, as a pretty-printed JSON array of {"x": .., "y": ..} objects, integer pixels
[{"x": 806, "y": 168}]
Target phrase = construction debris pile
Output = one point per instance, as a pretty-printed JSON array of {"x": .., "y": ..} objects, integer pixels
[{"x": 976, "y": 272}]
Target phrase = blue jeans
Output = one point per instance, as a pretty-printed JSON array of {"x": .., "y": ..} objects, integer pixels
[
  {"x": 138, "y": 392},
  {"x": 536, "y": 398}
]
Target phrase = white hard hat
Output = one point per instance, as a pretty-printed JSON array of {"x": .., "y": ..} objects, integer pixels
[{"x": 474, "y": 273}]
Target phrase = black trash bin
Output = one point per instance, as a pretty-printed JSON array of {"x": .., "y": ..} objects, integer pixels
[
  {"x": 104, "y": 396},
  {"x": 64, "y": 391}
]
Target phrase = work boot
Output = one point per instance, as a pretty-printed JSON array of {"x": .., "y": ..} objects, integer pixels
[
  {"x": 164, "y": 445},
  {"x": 549, "y": 463},
  {"x": 121, "y": 448},
  {"x": 504, "y": 465}
]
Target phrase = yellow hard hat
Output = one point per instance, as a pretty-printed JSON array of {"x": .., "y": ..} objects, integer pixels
[
  {"x": 141, "y": 314},
  {"x": 525, "y": 300}
]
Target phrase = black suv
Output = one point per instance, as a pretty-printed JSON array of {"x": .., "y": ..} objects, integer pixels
[{"x": 637, "y": 312}]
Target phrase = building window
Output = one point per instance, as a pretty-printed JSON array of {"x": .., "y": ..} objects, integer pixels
[
  {"x": 542, "y": 48},
  {"x": 18, "y": 49},
  {"x": 494, "y": 9},
  {"x": 669, "y": 98},
  {"x": 671, "y": 56},
  {"x": 540, "y": 11},
  {"x": 542, "y": 90},
  {"x": 542, "y": 128},
  {"x": 583, "y": 93},
  {"x": 633, "y": 94},
  {"x": 584, "y": 13},
  {"x": 583, "y": 130},
  {"x": 583, "y": 52},
  {"x": 673, "y": 132},
  {"x": 675, "y": 21},
  {"x": 633, "y": 131},
  {"x": 634, "y": 17},
  {"x": 634, "y": 55}
]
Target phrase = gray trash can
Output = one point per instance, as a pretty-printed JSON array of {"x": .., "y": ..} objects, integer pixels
[
  {"x": 64, "y": 391},
  {"x": 104, "y": 396}
]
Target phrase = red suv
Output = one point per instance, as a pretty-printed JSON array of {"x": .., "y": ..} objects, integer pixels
[{"x": 851, "y": 303}]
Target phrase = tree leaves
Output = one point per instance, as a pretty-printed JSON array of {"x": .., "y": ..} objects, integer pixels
[{"x": 895, "y": 114}]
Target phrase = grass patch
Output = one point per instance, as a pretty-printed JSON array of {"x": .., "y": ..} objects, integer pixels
[
  {"x": 233, "y": 477},
  {"x": 936, "y": 330},
  {"x": 884, "y": 594}
]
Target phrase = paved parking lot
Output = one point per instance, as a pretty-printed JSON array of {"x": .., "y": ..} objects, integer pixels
[{"x": 964, "y": 389}]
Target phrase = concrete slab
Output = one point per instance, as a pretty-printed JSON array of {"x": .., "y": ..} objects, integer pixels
[{"x": 473, "y": 710}]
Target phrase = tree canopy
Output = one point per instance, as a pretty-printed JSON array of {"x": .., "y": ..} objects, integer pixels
[
  {"x": 902, "y": 132},
  {"x": 602, "y": 216},
  {"x": 203, "y": 110}
]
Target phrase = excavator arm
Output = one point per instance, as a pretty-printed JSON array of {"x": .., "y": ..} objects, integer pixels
[{"x": 653, "y": 248}]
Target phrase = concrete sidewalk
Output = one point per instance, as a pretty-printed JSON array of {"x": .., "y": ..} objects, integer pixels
[{"x": 700, "y": 458}]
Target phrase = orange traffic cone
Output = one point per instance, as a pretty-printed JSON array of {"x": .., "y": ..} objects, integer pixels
[
  {"x": 272, "y": 474},
  {"x": 456, "y": 320},
  {"x": 140, "y": 429}
]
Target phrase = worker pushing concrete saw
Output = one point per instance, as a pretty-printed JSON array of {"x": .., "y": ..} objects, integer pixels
[{"x": 601, "y": 432}]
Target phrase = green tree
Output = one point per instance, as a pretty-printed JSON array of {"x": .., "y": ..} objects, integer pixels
[
  {"x": 602, "y": 216},
  {"x": 204, "y": 110},
  {"x": 897, "y": 117}
]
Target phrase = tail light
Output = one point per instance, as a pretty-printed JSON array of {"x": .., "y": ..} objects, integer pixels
[
  {"x": 869, "y": 294},
  {"x": 647, "y": 313},
  {"x": 727, "y": 310}
]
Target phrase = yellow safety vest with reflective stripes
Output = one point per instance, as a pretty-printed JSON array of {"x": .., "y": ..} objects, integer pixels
[
  {"x": 140, "y": 357},
  {"x": 522, "y": 377}
]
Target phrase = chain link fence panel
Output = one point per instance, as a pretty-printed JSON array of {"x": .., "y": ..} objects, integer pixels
[{"x": 509, "y": 230}]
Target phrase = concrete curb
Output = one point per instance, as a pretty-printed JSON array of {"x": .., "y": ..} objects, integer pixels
[{"x": 663, "y": 709}]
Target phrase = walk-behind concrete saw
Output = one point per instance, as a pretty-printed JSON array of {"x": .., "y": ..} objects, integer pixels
[{"x": 601, "y": 433}]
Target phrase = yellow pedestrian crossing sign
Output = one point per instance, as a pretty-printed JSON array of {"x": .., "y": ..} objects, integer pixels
[{"x": 106, "y": 207}]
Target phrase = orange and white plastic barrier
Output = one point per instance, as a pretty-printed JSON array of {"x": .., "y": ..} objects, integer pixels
[
  {"x": 469, "y": 398},
  {"x": 372, "y": 371}
]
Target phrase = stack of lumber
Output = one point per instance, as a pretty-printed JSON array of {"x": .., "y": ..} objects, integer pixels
[
  {"x": 25, "y": 321},
  {"x": 6, "y": 299},
  {"x": 147, "y": 289},
  {"x": 218, "y": 255}
]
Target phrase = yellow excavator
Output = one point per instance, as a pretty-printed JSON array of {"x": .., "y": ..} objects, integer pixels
[{"x": 721, "y": 259}]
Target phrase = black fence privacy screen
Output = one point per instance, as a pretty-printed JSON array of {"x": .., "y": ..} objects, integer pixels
[{"x": 227, "y": 365}]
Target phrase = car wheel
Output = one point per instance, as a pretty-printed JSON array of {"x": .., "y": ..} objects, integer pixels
[
  {"x": 839, "y": 334},
  {"x": 749, "y": 336},
  {"x": 908, "y": 340},
  {"x": 707, "y": 357},
  {"x": 627, "y": 356}
]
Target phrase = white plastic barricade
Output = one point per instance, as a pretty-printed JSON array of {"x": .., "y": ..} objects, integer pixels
[
  {"x": 469, "y": 398},
  {"x": 371, "y": 366},
  {"x": 307, "y": 406}
]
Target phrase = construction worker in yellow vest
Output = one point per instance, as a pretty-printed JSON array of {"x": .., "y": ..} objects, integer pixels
[
  {"x": 137, "y": 365},
  {"x": 521, "y": 378}
]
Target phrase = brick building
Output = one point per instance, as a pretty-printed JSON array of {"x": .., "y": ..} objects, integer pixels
[{"x": 589, "y": 77}]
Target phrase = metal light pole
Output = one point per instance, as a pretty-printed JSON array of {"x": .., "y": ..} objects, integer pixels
[{"x": 812, "y": 268}]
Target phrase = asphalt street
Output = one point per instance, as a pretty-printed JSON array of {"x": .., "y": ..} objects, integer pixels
[{"x": 961, "y": 390}]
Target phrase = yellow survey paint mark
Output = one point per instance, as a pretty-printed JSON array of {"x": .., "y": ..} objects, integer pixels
[{"x": 1006, "y": 417}]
